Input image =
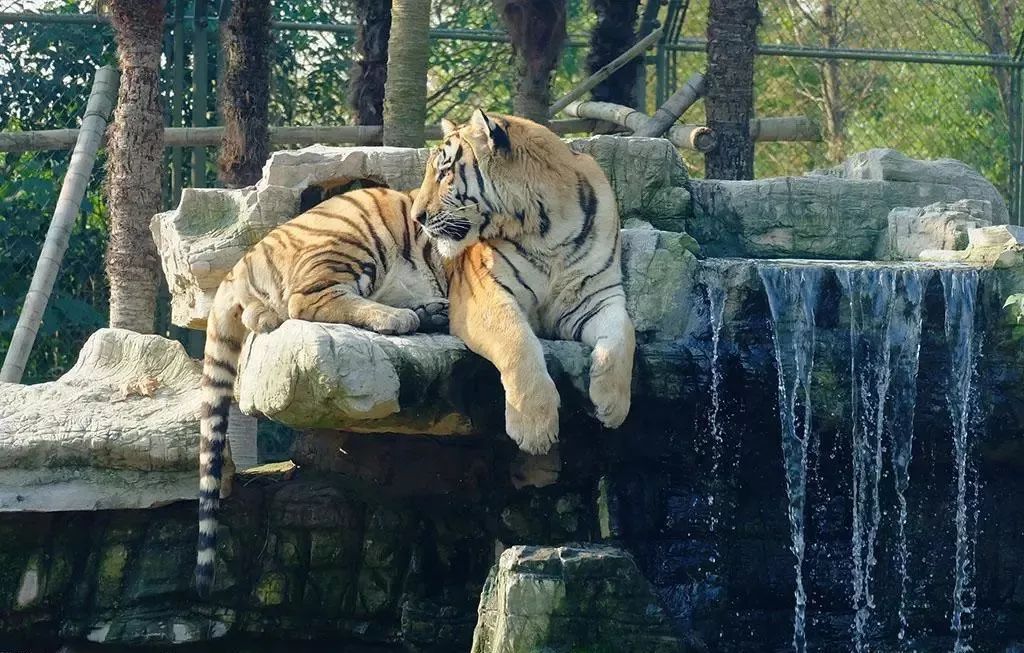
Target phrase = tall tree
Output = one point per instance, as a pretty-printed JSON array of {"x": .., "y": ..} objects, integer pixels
[
  {"x": 135, "y": 157},
  {"x": 729, "y": 102},
  {"x": 613, "y": 34},
  {"x": 244, "y": 93},
  {"x": 405, "y": 91},
  {"x": 370, "y": 70},
  {"x": 537, "y": 31}
]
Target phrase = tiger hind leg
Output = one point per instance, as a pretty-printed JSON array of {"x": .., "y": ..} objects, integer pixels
[
  {"x": 260, "y": 318},
  {"x": 339, "y": 305}
]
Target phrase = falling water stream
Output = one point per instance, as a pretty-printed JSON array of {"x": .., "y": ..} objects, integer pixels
[
  {"x": 885, "y": 303},
  {"x": 960, "y": 293},
  {"x": 716, "y": 313},
  {"x": 885, "y": 335},
  {"x": 792, "y": 293}
]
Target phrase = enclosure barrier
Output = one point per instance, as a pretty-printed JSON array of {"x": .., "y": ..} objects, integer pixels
[
  {"x": 94, "y": 122},
  {"x": 65, "y": 139},
  {"x": 697, "y": 137}
]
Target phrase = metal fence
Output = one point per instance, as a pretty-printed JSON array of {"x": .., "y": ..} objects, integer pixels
[{"x": 932, "y": 78}]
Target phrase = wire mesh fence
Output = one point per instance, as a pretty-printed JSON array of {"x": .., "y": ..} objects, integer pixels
[{"x": 932, "y": 78}]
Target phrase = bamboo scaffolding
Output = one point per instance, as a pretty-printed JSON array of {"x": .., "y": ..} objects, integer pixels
[
  {"x": 64, "y": 139},
  {"x": 698, "y": 137},
  {"x": 605, "y": 72},
  {"x": 675, "y": 106}
]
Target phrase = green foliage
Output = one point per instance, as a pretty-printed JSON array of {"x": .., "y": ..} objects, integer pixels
[{"x": 1015, "y": 306}]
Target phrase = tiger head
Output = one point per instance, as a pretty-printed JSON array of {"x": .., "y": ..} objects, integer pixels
[{"x": 480, "y": 180}]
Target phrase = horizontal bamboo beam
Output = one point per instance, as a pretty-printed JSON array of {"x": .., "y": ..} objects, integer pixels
[
  {"x": 64, "y": 139},
  {"x": 698, "y": 137}
]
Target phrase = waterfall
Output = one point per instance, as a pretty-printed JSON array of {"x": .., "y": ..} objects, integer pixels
[
  {"x": 960, "y": 289},
  {"x": 716, "y": 313},
  {"x": 792, "y": 293},
  {"x": 885, "y": 335}
]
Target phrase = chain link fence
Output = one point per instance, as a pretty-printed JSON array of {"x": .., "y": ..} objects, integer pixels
[{"x": 933, "y": 79}]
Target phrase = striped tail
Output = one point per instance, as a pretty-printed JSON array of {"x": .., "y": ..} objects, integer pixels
[{"x": 224, "y": 335}]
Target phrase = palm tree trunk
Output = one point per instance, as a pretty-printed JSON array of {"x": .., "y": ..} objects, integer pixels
[
  {"x": 366, "y": 95},
  {"x": 537, "y": 31},
  {"x": 612, "y": 35},
  {"x": 732, "y": 34},
  {"x": 244, "y": 93},
  {"x": 405, "y": 91},
  {"x": 135, "y": 153}
]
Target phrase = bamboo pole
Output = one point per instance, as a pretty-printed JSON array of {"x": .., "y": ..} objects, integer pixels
[
  {"x": 176, "y": 137},
  {"x": 610, "y": 112},
  {"x": 698, "y": 137},
  {"x": 97, "y": 111},
  {"x": 604, "y": 72},
  {"x": 693, "y": 137},
  {"x": 675, "y": 106},
  {"x": 784, "y": 128}
]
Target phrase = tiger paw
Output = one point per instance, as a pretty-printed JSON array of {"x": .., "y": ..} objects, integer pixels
[
  {"x": 433, "y": 314},
  {"x": 396, "y": 322},
  {"x": 260, "y": 319},
  {"x": 534, "y": 425},
  {"x": 611, "y": 375}
]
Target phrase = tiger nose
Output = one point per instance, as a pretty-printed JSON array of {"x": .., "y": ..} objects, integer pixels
[{"x": 421, "y": 217}]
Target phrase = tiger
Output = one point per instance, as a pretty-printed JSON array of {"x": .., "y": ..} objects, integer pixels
[
  {"x": 529, "y": 231},
  {"x": 357, "y": 258}
]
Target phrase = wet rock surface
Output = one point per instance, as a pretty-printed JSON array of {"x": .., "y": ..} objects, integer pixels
[{"x": 570, "y": 598}]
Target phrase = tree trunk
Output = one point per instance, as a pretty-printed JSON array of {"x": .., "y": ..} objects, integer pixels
[
  {"x": 732, "y": 33},
  {"x": 405, "y": 91},
  {"x": 370, "y": 70},
  {"x": 135, "y": 154},
  {"x": 537, "y": 31},
  {"x": 835, "y": 112},
  {"x": 612, "y": 35},
  {"x": 244, "y": 93}
]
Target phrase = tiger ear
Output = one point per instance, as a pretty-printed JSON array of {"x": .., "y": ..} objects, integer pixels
[
  {"x": 447, "y": 127},
  {"x": 497, "y": 134}
]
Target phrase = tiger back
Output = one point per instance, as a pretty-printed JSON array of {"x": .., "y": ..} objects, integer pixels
[{"x": 356, "y": 258}]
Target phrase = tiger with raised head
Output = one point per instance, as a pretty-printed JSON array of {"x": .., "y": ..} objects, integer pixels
[
  {"x": 356, "y": 258},
  {"x": 530, "y": 231}
]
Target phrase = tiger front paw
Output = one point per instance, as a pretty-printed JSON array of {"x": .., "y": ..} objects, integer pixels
[
  {"x": 433, "y": 314},
  {"x": 396, "y": 322},
  {"x": 611, "y": 375},
  {"x": 533, "y": 425}
]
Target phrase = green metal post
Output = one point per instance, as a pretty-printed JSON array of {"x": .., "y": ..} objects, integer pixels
[
  {"x": 177, "y": 99},
  {"x": 200, "y": 88},
  {"x": 1018, "y": 165},
  {"x": 660, "y": 68}
]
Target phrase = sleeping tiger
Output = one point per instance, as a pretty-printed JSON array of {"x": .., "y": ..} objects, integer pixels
[
  {"x": 530, "y": 231},
  {"x": 356, "y": 259}
]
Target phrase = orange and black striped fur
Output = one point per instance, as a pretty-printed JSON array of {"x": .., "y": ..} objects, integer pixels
[
  {"x": 530, "y": 231},
  {"x": 358, "y": 259}
]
